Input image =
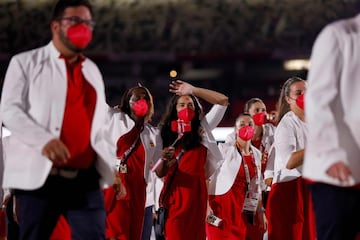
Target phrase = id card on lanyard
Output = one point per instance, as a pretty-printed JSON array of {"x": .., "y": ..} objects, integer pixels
[{"x": 252, "y": 196}]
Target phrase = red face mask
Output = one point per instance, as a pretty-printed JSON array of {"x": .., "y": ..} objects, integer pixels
[
  {"x": 186, "y": 114},
  {"x": 79, "y": 35},
  {"x": 246, "y": 133},
  {"x": 140, "y": 107},
  {"x": 259, "y": 118},
  {"x": 300, "y": 101}
]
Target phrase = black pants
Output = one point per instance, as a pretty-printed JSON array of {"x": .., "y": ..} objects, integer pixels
[
  {"x": 337, "y": 211},
  {"x": 80, "y": 200},
  {"x": 12, "y": 228},
  {"x": 148, "y": 223}
]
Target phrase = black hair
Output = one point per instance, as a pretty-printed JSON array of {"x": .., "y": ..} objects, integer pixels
[
  {"x": 125, "y": 99},
  {"x": 61, "y": 5},
  {"x": 190, "y": 139}
]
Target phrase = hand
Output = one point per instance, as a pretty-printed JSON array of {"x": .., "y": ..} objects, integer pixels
[
  {"x": 168, "y": 156},
  {"x": 262, "y": 220},
  {"x": 56, "y": 151},
  {"x": 339, "y": 171},
  {"x": 119, "y": 188},
  {"x": 268, "y": 181},
  {"x": 264, "y": 157},
  {"x": 181, "y": 88},
  {"x": 6, "y": 201}
]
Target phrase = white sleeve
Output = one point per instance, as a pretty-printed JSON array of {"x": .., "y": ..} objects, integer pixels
[
  {"x": 269, "y": 170},
  {"x": 285, "y": 145},
  {"x": 14, "y": 107},
  {"x": 323, "y": 89},
  {"x": 215, "y": 115}
]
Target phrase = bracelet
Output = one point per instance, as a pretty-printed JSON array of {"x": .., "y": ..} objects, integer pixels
[{"x": 262, "y": 209}]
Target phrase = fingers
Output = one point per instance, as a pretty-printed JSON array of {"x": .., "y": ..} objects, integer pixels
[
  {"x": 120, "y": 191},
  {"x": 56, "y": 151},
  {"x": 339, "y": 171},
  {"x": 168, "y": 153},
  {"x": 179, "y": 87}
]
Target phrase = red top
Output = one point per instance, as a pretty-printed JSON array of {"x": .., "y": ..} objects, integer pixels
[
  {"x": 133, "y": 180},
  {"x": 78, "y": 115}
]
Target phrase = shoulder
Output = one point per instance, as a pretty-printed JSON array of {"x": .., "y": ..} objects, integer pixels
[
  {"x": 151, "y": 129},
  {"x": 36, "y": 55},
  {"x": 285, "y": 123},
  {"x": 339, "y": 30}
]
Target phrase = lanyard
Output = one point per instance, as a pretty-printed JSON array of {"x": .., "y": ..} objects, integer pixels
[
  {"x": 127, "y": 153},
  {"x": 246, "y": 167},
  {"x": 247, "y": 174},
  {"x": 167, "y": 187}
]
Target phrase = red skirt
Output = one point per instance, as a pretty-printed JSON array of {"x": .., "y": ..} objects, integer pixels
[
  {"x": 62, "y": 230},
  {"x": 289, "y": 211}
]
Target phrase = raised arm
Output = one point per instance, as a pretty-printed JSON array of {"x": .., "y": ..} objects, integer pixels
[{"x": 183, "y": 88}]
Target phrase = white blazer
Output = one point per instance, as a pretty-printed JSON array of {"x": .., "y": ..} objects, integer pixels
[
  {"x": 120, "y": 124},
  {"x": 290, "y": 136},
  {"x": 332, "y": 102},
  {"x": 214, "y": 158},
  {"x": 268, "y": 141},
  {"x": 224, "y": 178},
  {"x": 32, "y": 108}
]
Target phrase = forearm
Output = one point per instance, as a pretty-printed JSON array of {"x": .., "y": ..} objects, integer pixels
[
  {"x": 296, "y": 159},
  {"x": 210, "y": 96},
  {"x": 161, "y": 169}
]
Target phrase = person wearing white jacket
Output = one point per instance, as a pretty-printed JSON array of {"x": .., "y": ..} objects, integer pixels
[
  {"x": 289, "y": 209},
  {"x": 53, "y": 103},
  {"x": 263, "y": 140},
  {"x": 137, "y": 145},
  {"x": 239, "y": 173},
  {"x": 332, "y": 156},
  {"x": 190, "y": 160}
]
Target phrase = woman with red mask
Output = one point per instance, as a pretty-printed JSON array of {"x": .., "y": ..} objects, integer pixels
[
  {"x": 235, "y": 185},
  {"x": 264, "y": 130},
  {"x": 188, "y": 162},
  {"x": 137, "y": 144},
  {"x": 263, "y": 140},
  {"x": 289, "y": 211}
]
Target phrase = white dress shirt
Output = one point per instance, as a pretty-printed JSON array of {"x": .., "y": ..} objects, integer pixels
[
  {"x": 290, "y": 136},
  {"x": 332, "y": 102}
]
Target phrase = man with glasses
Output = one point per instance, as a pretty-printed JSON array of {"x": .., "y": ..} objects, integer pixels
[{"x": 53, "y": 102}]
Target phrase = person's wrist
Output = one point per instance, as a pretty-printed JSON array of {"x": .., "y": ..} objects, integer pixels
[{"x": 261, "y": 209}]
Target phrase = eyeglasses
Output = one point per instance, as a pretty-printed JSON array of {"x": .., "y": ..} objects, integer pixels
[{"x": 73, "y": 20}]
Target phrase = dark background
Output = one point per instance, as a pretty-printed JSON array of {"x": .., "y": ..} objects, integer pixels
[{"x": 233, "y": 46}]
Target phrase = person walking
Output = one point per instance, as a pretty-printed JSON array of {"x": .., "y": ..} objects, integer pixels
[
  {"x": 332, "y": 163},
  {"x": 53, "y": 103},
  {"x": 188, "y": 160}
]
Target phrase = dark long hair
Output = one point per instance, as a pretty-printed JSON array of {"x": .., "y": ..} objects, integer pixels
[{"x": 190, "y": 139}]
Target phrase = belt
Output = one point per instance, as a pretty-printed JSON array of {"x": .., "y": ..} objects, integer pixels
[{"x": 64, "y": 172}]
